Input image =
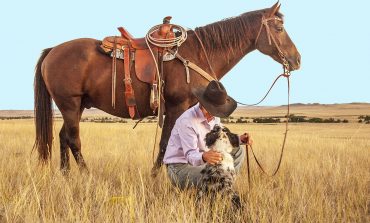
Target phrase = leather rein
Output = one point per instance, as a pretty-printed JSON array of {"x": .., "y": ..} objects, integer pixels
[
  {"x": 188, "y": 64},
  {"x": 286, "y": 73}
]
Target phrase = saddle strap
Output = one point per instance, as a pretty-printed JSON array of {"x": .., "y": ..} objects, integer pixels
[
  {"x": 129, "y": 91},
  {"x": 155, "y": 84},
  {"x": 114, "y": 74},
  {"x": 194, "y": 67},
  {"x": 161, "y": 97}
]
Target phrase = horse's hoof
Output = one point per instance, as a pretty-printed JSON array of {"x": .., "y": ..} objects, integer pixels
[
  {"x": 84, "y": 170},
  {"x": 65, "y": 171}
]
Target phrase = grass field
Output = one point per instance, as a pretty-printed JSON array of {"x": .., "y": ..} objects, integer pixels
[{"x": 324, "y": 177}]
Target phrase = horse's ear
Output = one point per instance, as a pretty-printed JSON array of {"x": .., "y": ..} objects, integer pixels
[{"x": 274, "y": 9}]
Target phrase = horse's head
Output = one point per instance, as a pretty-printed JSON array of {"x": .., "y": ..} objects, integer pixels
[{"x": 273, "y": 40}]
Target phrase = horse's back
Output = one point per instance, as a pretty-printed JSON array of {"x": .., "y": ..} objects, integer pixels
[
  {"x": 70, "y": 64},
  {"x": 71, "y": 52}
]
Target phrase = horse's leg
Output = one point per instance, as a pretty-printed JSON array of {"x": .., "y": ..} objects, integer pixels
[
  {"x": 172, "y": 113},
  {"x": 72, "y": 130},
  {"x": 64, "y": 153}
]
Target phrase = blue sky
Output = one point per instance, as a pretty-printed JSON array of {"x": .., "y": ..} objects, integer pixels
[{"x": 333, "y": 38}]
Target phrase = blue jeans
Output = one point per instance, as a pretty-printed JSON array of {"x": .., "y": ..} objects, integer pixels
[{"x": 184, "y": 175}]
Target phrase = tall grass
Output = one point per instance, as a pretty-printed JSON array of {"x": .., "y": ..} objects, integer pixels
[{"x": 324, "y": 177}]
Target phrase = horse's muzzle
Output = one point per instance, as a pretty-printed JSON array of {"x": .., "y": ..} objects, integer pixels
[{"x": 294, "y": 62}]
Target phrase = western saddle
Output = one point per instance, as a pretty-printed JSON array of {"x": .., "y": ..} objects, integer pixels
[{"x": 148, "y": 56}]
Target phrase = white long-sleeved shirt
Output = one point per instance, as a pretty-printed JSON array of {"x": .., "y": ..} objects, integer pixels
[{"x": 187, "y": 140}]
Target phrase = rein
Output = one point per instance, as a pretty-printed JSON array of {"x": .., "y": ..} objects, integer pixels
[
  {"x": 285, "y": 133},
  {"x": 285, "y": 74},
  {"x": 188, "y": 64}
]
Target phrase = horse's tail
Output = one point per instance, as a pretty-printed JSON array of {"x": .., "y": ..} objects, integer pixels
[{"x": 43, "y": 113}]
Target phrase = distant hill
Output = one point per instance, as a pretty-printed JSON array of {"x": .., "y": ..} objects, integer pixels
[
  {"x": 349, "y": 111},
  {"x": 29, "y": 113}
]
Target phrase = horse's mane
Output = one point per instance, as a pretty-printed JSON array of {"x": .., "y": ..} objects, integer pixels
[{"x": 230, "y": 35}]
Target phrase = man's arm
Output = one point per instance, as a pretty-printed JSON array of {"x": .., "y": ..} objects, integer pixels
[{"x": 189, "y": 144}]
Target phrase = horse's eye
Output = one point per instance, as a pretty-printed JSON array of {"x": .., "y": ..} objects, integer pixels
[{"x": 279, "y": 29}]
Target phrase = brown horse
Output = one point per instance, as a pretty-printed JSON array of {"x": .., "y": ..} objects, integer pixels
[{"x": 77, "y": 76}]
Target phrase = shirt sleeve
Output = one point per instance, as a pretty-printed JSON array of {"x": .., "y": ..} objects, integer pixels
[{"x": 189, "y": 144}]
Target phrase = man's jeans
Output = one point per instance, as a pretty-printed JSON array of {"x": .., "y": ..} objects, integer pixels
[{"x": 184, "y": 175}]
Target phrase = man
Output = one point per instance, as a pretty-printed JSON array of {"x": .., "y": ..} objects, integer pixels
[{"x": 185, "y": 155}]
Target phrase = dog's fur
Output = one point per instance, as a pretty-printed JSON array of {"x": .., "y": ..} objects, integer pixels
[{"x": 218, "y": 179}]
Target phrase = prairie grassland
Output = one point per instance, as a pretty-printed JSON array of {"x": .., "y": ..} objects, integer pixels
[{"x": 324, "y": 177}]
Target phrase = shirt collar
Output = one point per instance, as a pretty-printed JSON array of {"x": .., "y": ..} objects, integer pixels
[{"x": 200, "y": 114}]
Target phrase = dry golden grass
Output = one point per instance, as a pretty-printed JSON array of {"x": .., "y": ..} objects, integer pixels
[{"x": 324, "y": 177}]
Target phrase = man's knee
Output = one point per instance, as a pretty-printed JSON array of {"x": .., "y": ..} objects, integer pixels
[
  {"x": 238, "y": 153},
  {"x": 184, "y": 175}
]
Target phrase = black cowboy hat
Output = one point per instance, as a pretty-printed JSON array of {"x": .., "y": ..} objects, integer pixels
[{"x": 215, "y": 100}]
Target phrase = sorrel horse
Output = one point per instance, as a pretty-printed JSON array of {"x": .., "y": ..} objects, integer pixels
[{"x": 77, "y": 76}]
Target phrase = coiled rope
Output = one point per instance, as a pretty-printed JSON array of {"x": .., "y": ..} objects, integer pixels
[
  {"x": 167, "y": 43},
  {"x": 162, "y": 43}
]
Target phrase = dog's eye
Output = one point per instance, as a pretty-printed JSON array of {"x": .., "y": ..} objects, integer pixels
[{"x": 225, "y": 130}]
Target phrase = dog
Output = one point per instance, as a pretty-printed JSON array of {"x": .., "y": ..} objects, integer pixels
[{"x": 219, "y": 179}]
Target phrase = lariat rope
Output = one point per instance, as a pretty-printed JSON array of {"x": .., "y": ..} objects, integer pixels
[{"x": 166, "y": 44}]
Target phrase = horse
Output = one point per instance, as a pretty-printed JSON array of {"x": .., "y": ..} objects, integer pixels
[{"x": 77, "y": 76}]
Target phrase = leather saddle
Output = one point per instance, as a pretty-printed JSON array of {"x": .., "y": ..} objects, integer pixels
[
  {"x": 145, "y": 66},
  {"x": 146, "y": 58}
]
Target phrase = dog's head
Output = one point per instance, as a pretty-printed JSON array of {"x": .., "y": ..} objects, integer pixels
[{"x": 222, "y": 136}]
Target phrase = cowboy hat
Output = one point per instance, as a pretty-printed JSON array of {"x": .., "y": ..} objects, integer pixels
[{"x": 215, "y": 100}]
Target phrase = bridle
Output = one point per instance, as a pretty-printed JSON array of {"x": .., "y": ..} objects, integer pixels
[{"x": 265, "y": 23}]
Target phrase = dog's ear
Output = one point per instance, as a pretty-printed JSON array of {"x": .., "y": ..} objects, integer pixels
[
  {"x": 212, "y": 136},
  {"x": 233, "y": 138}
]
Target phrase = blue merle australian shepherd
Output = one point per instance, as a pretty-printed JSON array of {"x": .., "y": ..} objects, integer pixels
[{"x": 218, "y": 179}]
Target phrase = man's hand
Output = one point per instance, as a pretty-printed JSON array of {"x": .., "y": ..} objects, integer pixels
[
  {"x": 246, "y": 139},
  {"x": 212, "y": 157}
]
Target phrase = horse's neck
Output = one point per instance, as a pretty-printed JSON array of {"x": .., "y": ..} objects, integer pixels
[
  {"x": 221, "y": 60},
  {"x": 227, "y": 64}
]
